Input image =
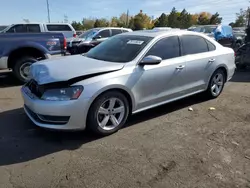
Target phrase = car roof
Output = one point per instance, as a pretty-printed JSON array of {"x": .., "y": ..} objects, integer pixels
[
  {"x": 111, "y": 28},
  {"x": 42, "y": 23},
  {"x": 159, "y": 33}
]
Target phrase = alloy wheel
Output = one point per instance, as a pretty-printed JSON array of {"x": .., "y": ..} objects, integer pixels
[
  {"x": 111, "y": 113},
  {"x": 25, "y": 69},
  {"x": 217, "y": 84}
]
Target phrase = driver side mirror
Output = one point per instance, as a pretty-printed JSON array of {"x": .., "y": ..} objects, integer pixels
[
  {"x": 97, "y": 37},
  {"x": 150, "y": 60}
]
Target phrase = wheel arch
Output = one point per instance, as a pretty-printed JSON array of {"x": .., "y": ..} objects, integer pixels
[
  {"x": 220, "y": 67},
  {"x": 125, "y": 91},
  {"x": 23, "y": 52}
]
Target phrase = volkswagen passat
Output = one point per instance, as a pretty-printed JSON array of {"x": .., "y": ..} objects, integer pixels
[{"x": 124, "y": 75}]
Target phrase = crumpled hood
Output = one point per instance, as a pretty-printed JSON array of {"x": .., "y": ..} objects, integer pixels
[{"x": 66, "y": 68}]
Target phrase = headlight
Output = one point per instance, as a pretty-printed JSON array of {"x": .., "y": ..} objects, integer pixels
[{"x": 63, "y": 94}]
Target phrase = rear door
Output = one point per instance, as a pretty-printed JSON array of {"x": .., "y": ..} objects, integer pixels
[
  {"x": 200, "y": 57},
  {"x": 67, "y": 31},
  {"x": 33, "y": 28}
]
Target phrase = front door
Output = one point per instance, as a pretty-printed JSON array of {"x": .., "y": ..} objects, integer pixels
[
  {"x": 163, "y": 82},
  {"x": 101, "y": 36}
]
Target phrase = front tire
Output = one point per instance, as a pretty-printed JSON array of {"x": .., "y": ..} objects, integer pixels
[
  {"x": 108, "y": 113},
  {"x": 216, "y": 84},
  {"x": 21, "y": 68}
]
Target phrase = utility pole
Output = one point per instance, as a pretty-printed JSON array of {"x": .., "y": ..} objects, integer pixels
[
  {"x": 48, "y": 11},
  {"x": 66, "y": 18},
  {"x": 248, "y": 18},
  {"x": 127, "y": 18}
]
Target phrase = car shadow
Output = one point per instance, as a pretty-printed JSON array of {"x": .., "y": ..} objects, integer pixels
[
  {"x": 8, "y": 80},
  {"x": 21, "y": 141},
  {"x": 241, "y": 76}
]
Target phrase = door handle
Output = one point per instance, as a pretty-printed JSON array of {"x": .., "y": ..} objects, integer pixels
[
  {"x": 211, "y": 60},
  {"x": 180, "y": 67}
]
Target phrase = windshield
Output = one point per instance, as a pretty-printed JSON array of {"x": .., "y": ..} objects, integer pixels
[
  {"x": 120, "y": 48},
  {"x": 2, "y": 27},
  {"x": 89, "y": 34},
  {"x": 5, "y": 29}
]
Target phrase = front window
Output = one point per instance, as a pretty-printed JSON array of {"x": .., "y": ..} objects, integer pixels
[
  {"x": 166, "y": 48},
  {"x": 88, "y": 34},
  {"x": 17, "y": 29},
  {"x": 120, "y": 48}
]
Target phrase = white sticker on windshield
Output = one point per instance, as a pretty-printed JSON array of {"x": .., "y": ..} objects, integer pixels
[{"x": 138, "y": 42}]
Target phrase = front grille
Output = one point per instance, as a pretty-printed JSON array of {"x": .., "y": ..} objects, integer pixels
[
  {"x": 35, "y": 89},
  {"x": 46, "y": 119}
]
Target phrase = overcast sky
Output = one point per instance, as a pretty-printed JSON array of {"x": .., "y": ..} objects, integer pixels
[{"x": 14, "y": 11}]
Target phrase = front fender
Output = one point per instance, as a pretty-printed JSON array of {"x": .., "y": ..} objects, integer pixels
[{"x": 115, "y": 87}]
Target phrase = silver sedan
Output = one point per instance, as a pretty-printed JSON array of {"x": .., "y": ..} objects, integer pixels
[{"x": 124, "y": 75}]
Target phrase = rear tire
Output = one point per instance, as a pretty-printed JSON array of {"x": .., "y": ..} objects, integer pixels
[
  {"x": 216, "y": 84},
  {"x": 108, "y": 113},
  {"x": 21, "y": 68}
]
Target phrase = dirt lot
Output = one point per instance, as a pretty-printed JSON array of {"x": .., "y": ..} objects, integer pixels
[{"x": 168, "y": 147}]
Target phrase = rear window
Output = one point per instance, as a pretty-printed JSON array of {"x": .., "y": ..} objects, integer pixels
[{"x": 58, "y": 28}]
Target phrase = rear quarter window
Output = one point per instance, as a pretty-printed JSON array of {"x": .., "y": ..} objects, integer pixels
[
  {"x": 58, "y": 28},
  {"x": 211, "y": 47},
  {"x": 124, "y": 31}
]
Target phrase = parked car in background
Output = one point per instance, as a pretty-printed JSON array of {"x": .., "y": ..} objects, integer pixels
[
  {"x": 92, "y": 38},
  {"x": 65, "y": 28},
  {"x": 126, "y": 74},
  {"x": 243, "y": 56},
  {"x": 206, "y": 29},
  {"x": 240, "y": 35},
  {"x": 2, "y": 27},
  {"x": 18, "y": 51},
  {"x": 221, "y": 33},
  {"x": 78, "y": 33}
]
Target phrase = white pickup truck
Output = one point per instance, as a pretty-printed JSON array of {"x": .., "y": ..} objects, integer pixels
[{"x": 66, "y": 29}]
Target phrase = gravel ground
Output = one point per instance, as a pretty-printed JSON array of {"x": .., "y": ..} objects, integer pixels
[{"x": 168, "y": 146}]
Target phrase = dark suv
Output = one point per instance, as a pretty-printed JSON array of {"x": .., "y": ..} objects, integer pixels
[{"x": 92, "y": 38}]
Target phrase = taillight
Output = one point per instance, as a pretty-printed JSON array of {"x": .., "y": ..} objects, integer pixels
[
  {"x": 74, "y": 35},
  {"x": 64, "y": 44}
]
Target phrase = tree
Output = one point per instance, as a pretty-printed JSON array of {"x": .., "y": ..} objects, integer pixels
[
  {"x": 97, "y": 23},
  {"x": 185, "y": 19},
  {"x": 115, "y": 22},
  {"x": 142, "y": 21},
  {"x": 88, "y": 23},
  {"x": 173, "y": 19},
  {"x": 77, "y": 25},
  {"x": 124, "y": 20},
  {"x": 162, "y": 21},
  {"x": 241, "y": 18},
  {"x": 131, "y": 24},
  {"x": 204, "y": 18},
  {"x": 101, "y": 23},
  {"x": 104, "y": 22},
  {"x": 215, "y": 19},
  {"x": 194, "y": 19}
]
